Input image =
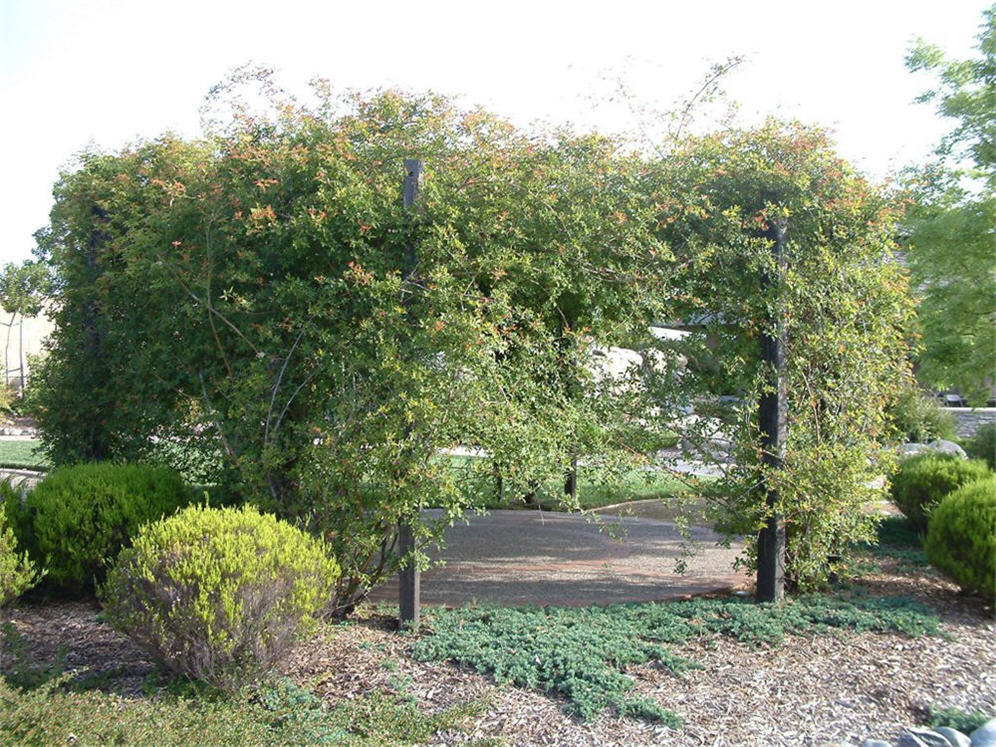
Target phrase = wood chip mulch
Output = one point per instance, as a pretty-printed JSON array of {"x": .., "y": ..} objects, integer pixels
[{"x": 830, "y": 689}]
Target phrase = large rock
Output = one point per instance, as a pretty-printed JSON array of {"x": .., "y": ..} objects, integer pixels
[
  {"x": 939, "y": 446},
  {"x": 955, "y": 737},
  {"x": 947, "y": 447},
  {"x": 985, "y": 735},
  {"x": 922, "y": 738}
]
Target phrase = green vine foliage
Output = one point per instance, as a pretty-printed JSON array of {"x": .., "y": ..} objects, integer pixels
[
  {"x": 251, "y": 289},
  {"x": 842, "y": 304}
]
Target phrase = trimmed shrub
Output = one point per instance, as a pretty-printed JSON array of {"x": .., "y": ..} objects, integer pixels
[
  {"x": 17, "y": 572},
  {"x": 923, "y": 480},
  {"x": 983, "y": 444},
  {"x": 961, "y": 540},
  {"x": 76, "y": 520},
  {"x": 219, "y": 594}
]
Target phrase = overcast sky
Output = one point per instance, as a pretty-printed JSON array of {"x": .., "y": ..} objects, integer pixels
[{"x": 106, "y": 72}]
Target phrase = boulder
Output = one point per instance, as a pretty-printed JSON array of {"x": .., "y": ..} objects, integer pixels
[
  {"x": 985, "y": 735},
  {"x": 955, "y": 737},
  {"x": 923, "y": 738},
  {"x": 947, "y": 447},
  {"x": 909, "y": 450},
  {"x": 939, "y": 446}
]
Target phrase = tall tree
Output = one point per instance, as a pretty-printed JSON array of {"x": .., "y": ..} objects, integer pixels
[{"x": 952, "y": 221}]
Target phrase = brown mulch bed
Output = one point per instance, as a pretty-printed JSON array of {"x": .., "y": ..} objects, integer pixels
[{"x": 820, "y": 690}]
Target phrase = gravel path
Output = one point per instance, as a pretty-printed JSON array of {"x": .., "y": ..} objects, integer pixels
[{"x": 542, "y": 557}]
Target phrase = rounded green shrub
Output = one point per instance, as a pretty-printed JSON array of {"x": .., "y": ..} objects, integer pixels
[
  {"x": 75, "y": 521},
  {"x": 961, "y": 540},
  {"x": 17, "y": 572},
  {"x": 983, "y": 444},
  {"x": 219, "y": 594},
  {"x": 923, "y": 480}
]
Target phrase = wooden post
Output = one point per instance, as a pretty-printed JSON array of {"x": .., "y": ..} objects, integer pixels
[
  {"x": 409, "y": 577},
  {"x": 409, "y": 581},
  {"x": 571, "y": 482},
  {"x": 773, "y": 427},
  {"x": 567, "y": 352}
]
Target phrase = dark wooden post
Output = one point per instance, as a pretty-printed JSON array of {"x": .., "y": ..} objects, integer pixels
[
  {"x": 409, "y": 578},
  {"x": 571, "y": 482},
  {"x": 567, "y": 351},
  {"x": 772, "y": 422}
]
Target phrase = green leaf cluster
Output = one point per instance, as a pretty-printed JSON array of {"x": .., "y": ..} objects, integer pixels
[
  {"x": 23, "y": 287},
  {"x": 17, "y": 572},
  {"x": 839, "y": 303},
  {"x": 252, "y": 291},
  {"x": 282, "y": 714},
  {"x": 262, "y": 295},
  {"x": 983, "y": 444}
]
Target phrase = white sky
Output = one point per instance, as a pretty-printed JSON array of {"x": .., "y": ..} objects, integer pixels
[{"x": 110, "y": 71}]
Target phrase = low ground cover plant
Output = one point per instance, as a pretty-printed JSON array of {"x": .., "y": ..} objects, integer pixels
[
  {"x": 580, "y": 653},
  {"x": 76, "y": 520},
  {"x": 219, "y": 594},
  {"x": 923, "y": 480},
  {"x": 961, "y": 540},
  {"x": 954, "y": 718},
  {"x": 594, "y": 492}
]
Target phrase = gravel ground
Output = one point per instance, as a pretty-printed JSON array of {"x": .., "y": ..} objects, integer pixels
[{"x": 820, "y": 690}]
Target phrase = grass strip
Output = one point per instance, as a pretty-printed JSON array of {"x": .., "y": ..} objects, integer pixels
[
  {"x": 282, "y": 714},
  {"x": 22, "y": 454}
]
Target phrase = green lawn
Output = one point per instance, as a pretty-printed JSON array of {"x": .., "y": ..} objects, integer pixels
[
  {"x": 22, "y": 455},
  {"x": 633, "y": 485},
  {"x": 276, "y": 714}
]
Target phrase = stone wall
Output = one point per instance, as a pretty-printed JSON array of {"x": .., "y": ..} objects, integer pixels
[{"x": 968, "y": 419}]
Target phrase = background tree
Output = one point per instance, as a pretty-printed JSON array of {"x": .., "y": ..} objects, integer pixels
[
  {"x": 23, "y": 288},
  {"x": 951, "y": 222}
]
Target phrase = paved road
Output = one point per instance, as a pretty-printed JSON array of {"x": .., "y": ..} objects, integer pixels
[{"x": 532, "y": 557}]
